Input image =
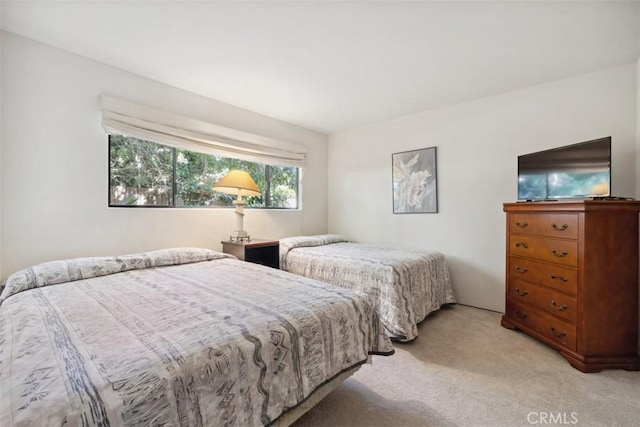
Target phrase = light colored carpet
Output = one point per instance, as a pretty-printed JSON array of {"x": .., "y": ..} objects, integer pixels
[{"x": 466, "y": 370}]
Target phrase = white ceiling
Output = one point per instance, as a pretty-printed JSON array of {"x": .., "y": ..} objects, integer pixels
[{"x": 330, "y": 65}]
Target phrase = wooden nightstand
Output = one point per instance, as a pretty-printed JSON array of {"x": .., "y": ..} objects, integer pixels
[{"x": 265, "y": 252}]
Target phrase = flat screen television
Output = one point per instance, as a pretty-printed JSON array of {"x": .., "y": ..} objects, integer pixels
[{"x": 575, "y": 171}]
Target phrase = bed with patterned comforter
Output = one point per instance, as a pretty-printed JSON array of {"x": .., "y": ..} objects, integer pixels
[
  {"x": 405, "y": 285},
  {"x": 174, "y": 337}
]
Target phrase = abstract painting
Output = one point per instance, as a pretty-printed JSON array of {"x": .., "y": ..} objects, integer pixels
[{"x": 415, "y": 182}]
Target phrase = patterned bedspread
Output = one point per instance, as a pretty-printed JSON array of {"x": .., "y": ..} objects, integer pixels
[
  {"x": 173, "y": 337},
  {"x": 405, "y": 285}
]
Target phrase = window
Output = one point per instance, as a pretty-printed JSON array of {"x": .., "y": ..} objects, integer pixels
[{"x": 146, "y": 174}]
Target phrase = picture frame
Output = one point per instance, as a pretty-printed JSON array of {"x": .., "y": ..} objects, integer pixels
[{"x": 415, "y": 181}]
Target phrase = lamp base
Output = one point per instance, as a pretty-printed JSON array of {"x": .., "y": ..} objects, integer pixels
[{"x": 240, "y": 236}]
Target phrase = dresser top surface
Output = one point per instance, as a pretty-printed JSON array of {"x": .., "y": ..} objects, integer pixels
[{"x": 573, "y": 205}]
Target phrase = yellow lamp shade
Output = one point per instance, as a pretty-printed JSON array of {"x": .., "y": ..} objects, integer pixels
[
  {"x": 601, "y": 189},
  {"x": 237, "y": 182}
]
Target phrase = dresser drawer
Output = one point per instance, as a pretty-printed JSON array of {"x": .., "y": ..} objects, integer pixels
[
  {"x": 553, "y": 250},
  {"x": 563, "y": 279},
  {"x": 556, "y": 330},
  {"x": 544, "y": 224},
  {"x": 552, "y": 302}
]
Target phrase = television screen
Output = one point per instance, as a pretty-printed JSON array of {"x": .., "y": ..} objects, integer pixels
[{"x": 576, "y": 171}]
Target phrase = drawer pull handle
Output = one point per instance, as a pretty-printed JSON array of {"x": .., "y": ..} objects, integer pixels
[
  {"x": 521, "y": 270},
  {"x": 521, "y": 293},
  {"x": 555, "y": 227},
  {"x": 564, "y": 278},
  {"x": 523, "y": 244},
  {"x": 522, "y": 224},
  {"x": 521, "y": 315},
  {"x": 558, "y": 334},
  {"x": 559, "y": 254},
  {"x": 558, "y": 307}
]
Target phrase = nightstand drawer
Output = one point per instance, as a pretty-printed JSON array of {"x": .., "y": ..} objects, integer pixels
[{"x": 265, "y": 255}]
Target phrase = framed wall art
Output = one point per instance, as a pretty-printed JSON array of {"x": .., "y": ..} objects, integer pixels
[{"x": 415, "y": 181}]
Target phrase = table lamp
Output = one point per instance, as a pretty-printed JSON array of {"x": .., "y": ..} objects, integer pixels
[{"x": 239, "y": 183}]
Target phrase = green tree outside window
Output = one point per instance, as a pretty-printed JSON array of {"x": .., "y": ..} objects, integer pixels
[{"x": 144, "y": 173}]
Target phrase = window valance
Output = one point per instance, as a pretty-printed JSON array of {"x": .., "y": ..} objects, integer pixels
[{"x": 139, "y": 121}]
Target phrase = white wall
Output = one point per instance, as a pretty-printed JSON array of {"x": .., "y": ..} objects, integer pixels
[
  {"x": 477, "y": 146},
  {"x": 54, "y": 164}
]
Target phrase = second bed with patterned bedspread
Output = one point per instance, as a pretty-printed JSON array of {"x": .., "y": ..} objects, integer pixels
[{"x": 405, "y": 286}]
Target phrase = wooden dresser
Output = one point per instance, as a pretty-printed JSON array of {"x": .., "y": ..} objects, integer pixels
[{"x": 572, "y": 279}]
